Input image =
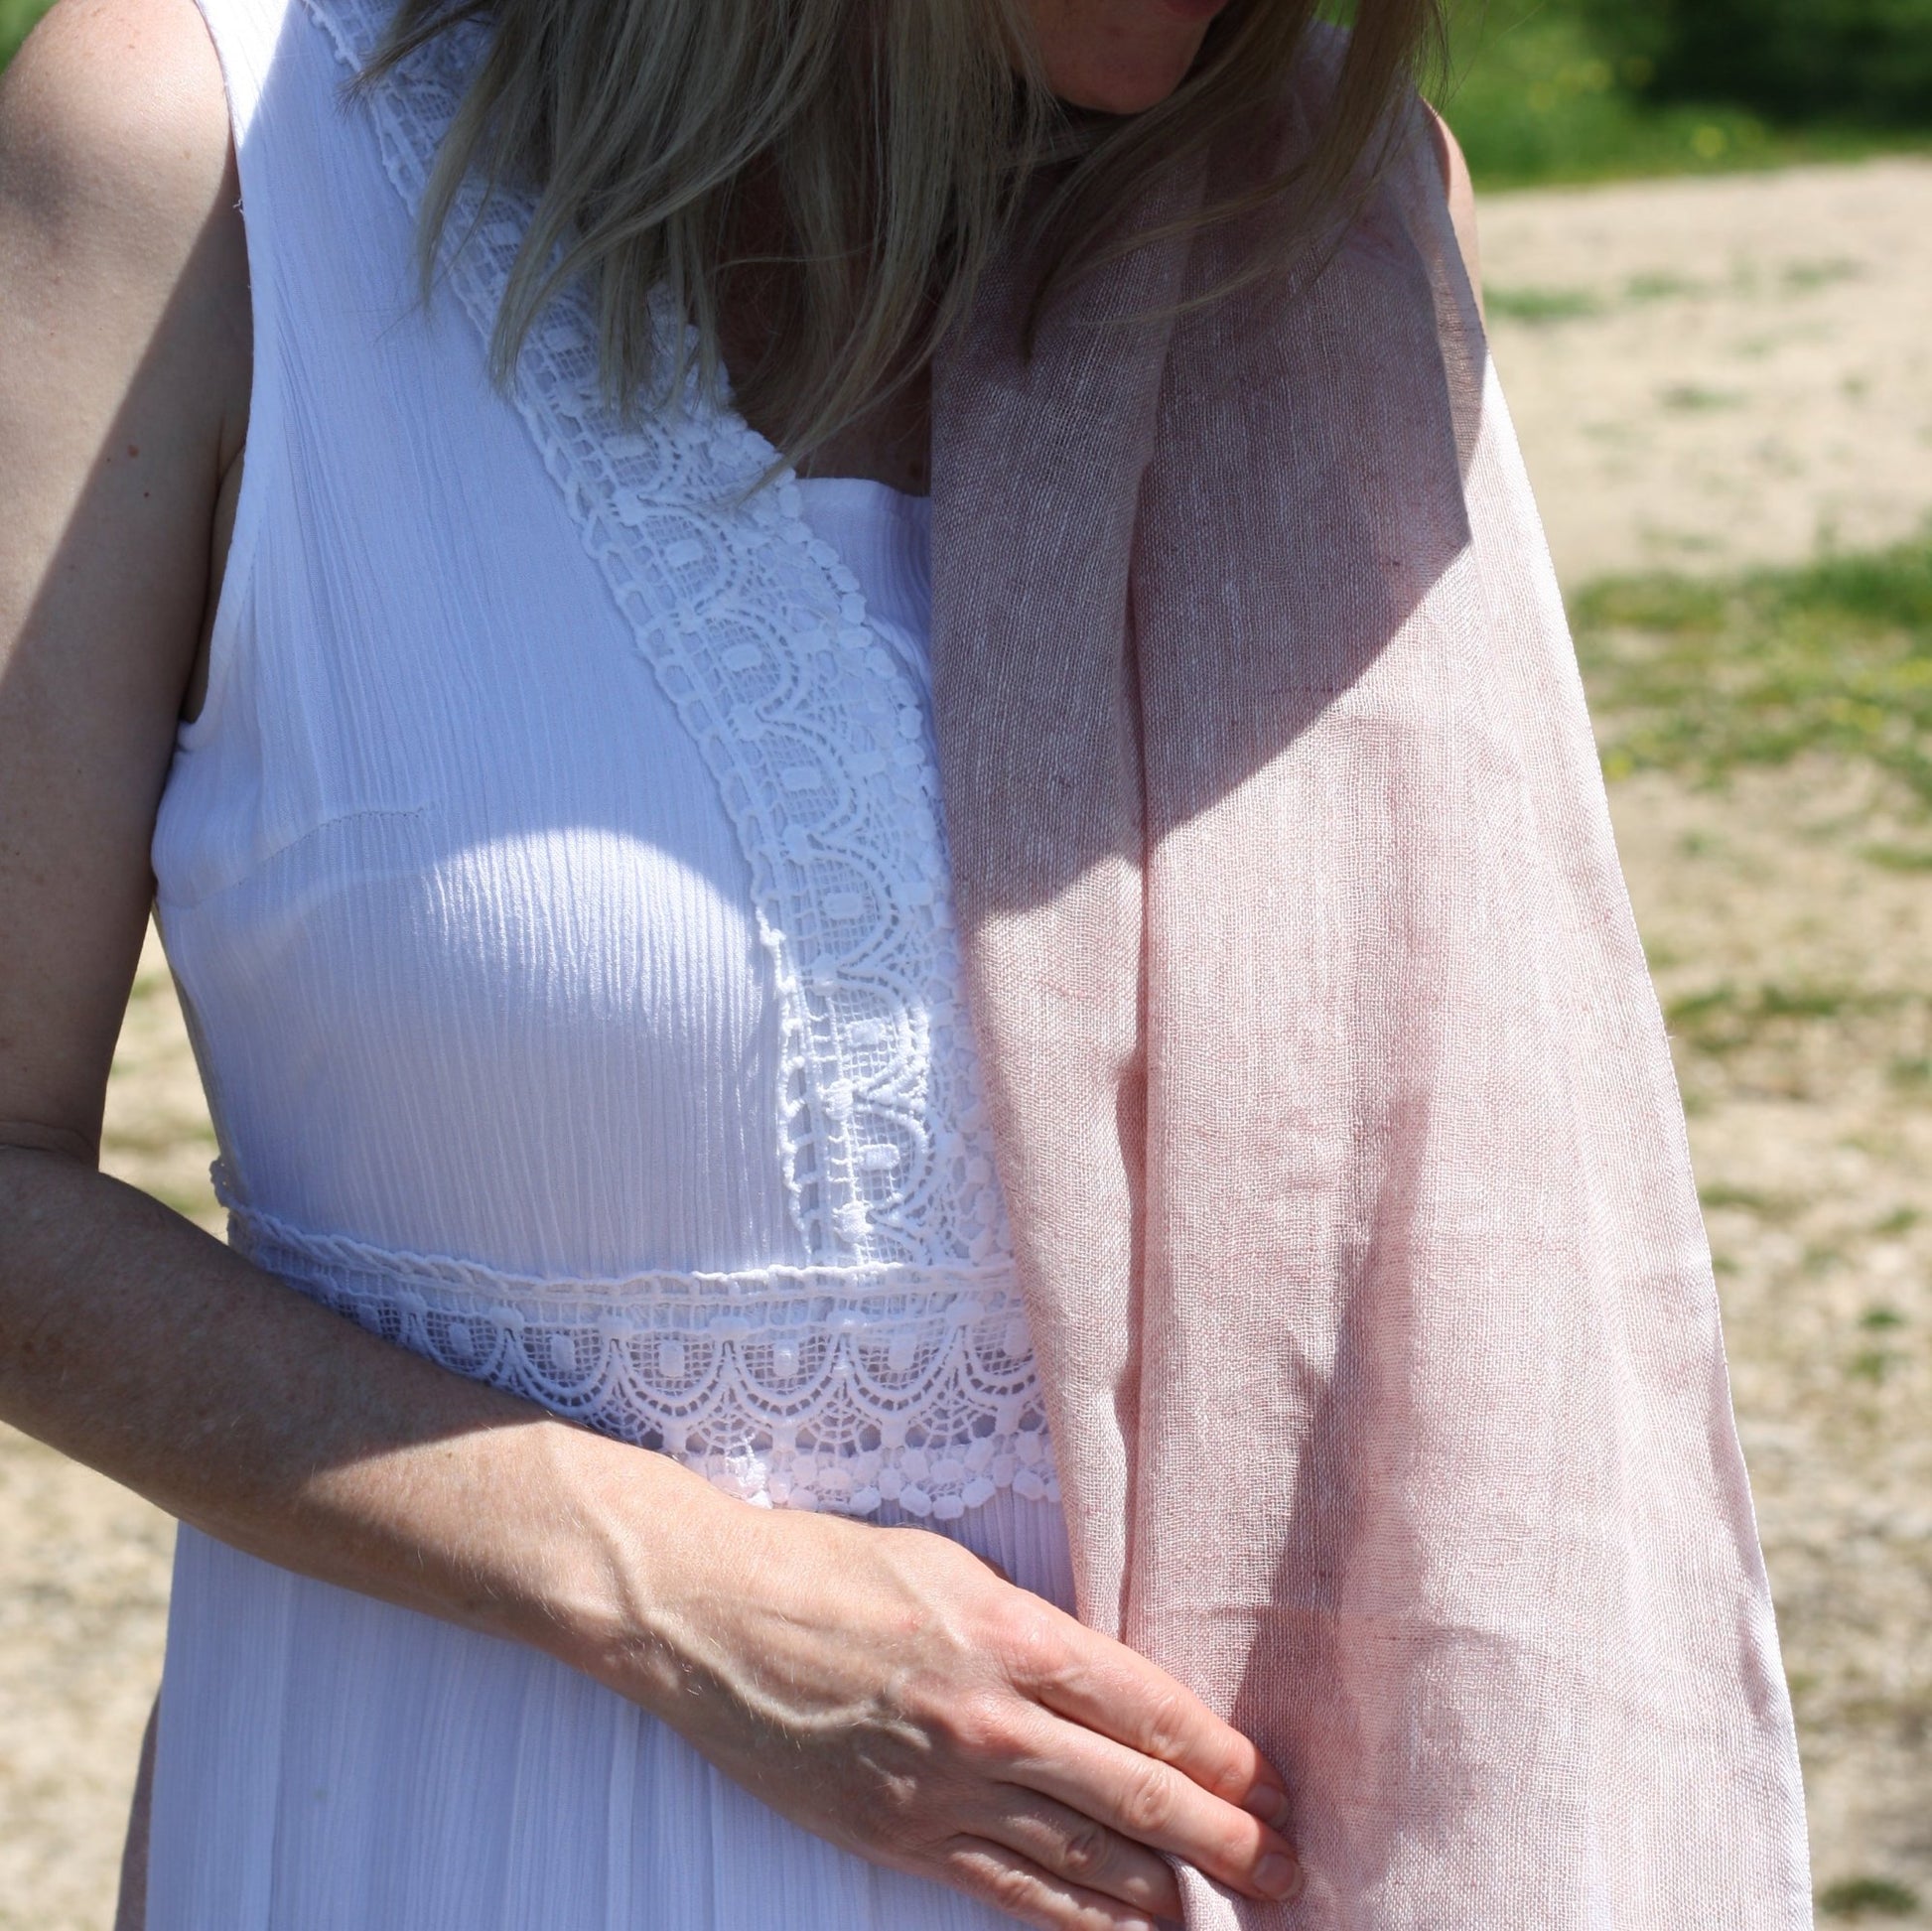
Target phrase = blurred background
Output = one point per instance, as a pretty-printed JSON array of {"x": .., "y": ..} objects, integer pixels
[{"x": 1706, "y": 227}]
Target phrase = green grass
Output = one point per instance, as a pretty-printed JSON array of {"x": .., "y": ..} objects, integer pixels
[
  {"x": 1540, "y": 307},
  {"x": 16, "y": 18},
  {"x": 1704, "y": 678},
  {"x": 1725, "y": 1019},
  {"x": 1871, "y": 1364},
  {"x": 1547, "y": 307},
  {"x": 1856, "y": 1897},
  {"x": 1897, "y": 858},
  {"x": 1536, "y": 93},
  {"x": 1715, "y": 1195}
]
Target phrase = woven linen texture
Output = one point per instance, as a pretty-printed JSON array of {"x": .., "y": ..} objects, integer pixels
[{"x": 1345, "y": 1164}]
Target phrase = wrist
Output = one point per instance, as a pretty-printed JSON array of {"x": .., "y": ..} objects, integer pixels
[{"x": 639, "y": 1541}]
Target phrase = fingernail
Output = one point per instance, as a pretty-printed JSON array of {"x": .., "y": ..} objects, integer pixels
[
  {"x": 1279, "y": 1876},
  {"x": 1270, "y": 1805}
]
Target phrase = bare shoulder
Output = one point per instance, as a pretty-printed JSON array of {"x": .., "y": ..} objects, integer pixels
[
  {"x": 1317, "y": 78},
  {"x": 113, "y": 125},
  {"x": 123, "y": 263},
  {"x": 117, "y": 194},
  {"x": 1461, "y": 193},
  {"x": 124, "y": 377}
]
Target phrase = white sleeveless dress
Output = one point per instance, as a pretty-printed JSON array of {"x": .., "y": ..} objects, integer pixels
[{"x": 554, "y": 882}]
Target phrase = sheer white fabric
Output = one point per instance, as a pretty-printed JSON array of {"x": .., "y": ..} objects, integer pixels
[
  {"x": 330, "y": 1764},
  {"x": 554, "y": 882},
  {"x": 483, "y": 913}
]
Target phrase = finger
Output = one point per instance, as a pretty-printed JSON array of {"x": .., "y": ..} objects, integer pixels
[
  {"x": 1156, "y": 1805},
  {"x": 1082, "y": 1851},
  {"x": 1009, "y": 1882},
  {"x": 1107, "y": 1687}
]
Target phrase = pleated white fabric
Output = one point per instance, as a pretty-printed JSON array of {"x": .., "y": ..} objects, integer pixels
[
  {"x": 331, "y": 1764},
  {"x": 555, "y": 1026}
]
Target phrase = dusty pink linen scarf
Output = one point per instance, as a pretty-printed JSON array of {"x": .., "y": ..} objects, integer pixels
[{"x": 1346, "y": 1165}]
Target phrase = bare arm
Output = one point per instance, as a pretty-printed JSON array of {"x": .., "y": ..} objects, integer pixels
[
  {"x": 880, "y": 1687},
  {"x": 1461, "y": 200},
  {"x": 127, "y": 1337}
]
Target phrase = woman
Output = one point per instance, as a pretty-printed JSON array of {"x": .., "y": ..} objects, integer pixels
[{"x": 549, "y": 853}]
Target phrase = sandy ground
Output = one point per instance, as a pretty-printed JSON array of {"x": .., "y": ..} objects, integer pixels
[
  {"x": 1813, "y": 1142},
  {"x": 1702, "y": 374},
  {"x": 1715, "y": 372}
]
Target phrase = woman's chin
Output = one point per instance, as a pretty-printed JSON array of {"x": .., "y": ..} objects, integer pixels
[
  {"x": 1117, "y": 91},
  {"x": 1123, "y": 104},
  {"x": 1120, "y": 57}
]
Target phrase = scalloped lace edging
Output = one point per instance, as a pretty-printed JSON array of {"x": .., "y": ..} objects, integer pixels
[
  {"x": 817, "y": 737},
  {"x": 833, "y": 1388}
]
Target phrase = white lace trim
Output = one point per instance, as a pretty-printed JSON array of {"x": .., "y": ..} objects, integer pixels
[
  {"x": 830, "y": 1388},
  {"x": 897, "y": 1368},
  {"x": 818, "y": 739}
]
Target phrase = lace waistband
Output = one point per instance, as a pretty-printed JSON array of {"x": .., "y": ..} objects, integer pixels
[{"x": 839, "y": 1388}]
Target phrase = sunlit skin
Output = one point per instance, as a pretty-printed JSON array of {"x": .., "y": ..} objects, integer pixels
[{"x": 1120, "y": 57}]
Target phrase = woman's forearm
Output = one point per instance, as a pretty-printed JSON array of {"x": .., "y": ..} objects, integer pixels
[
  {"x": 144, "y": 1348},
  {"x": 883, "y": 1687}
]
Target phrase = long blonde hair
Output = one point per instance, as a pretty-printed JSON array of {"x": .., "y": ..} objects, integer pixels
[{"x": 899, "y": 136}]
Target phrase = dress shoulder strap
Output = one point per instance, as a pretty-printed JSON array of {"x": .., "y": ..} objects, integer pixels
[{"x": 245, "y": 34}]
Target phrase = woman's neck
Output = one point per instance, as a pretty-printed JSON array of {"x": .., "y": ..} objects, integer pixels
[{"x": 890, "y": 442}]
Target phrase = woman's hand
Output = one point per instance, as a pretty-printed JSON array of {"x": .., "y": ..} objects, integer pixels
[{"x": 887, "y": 1690}]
